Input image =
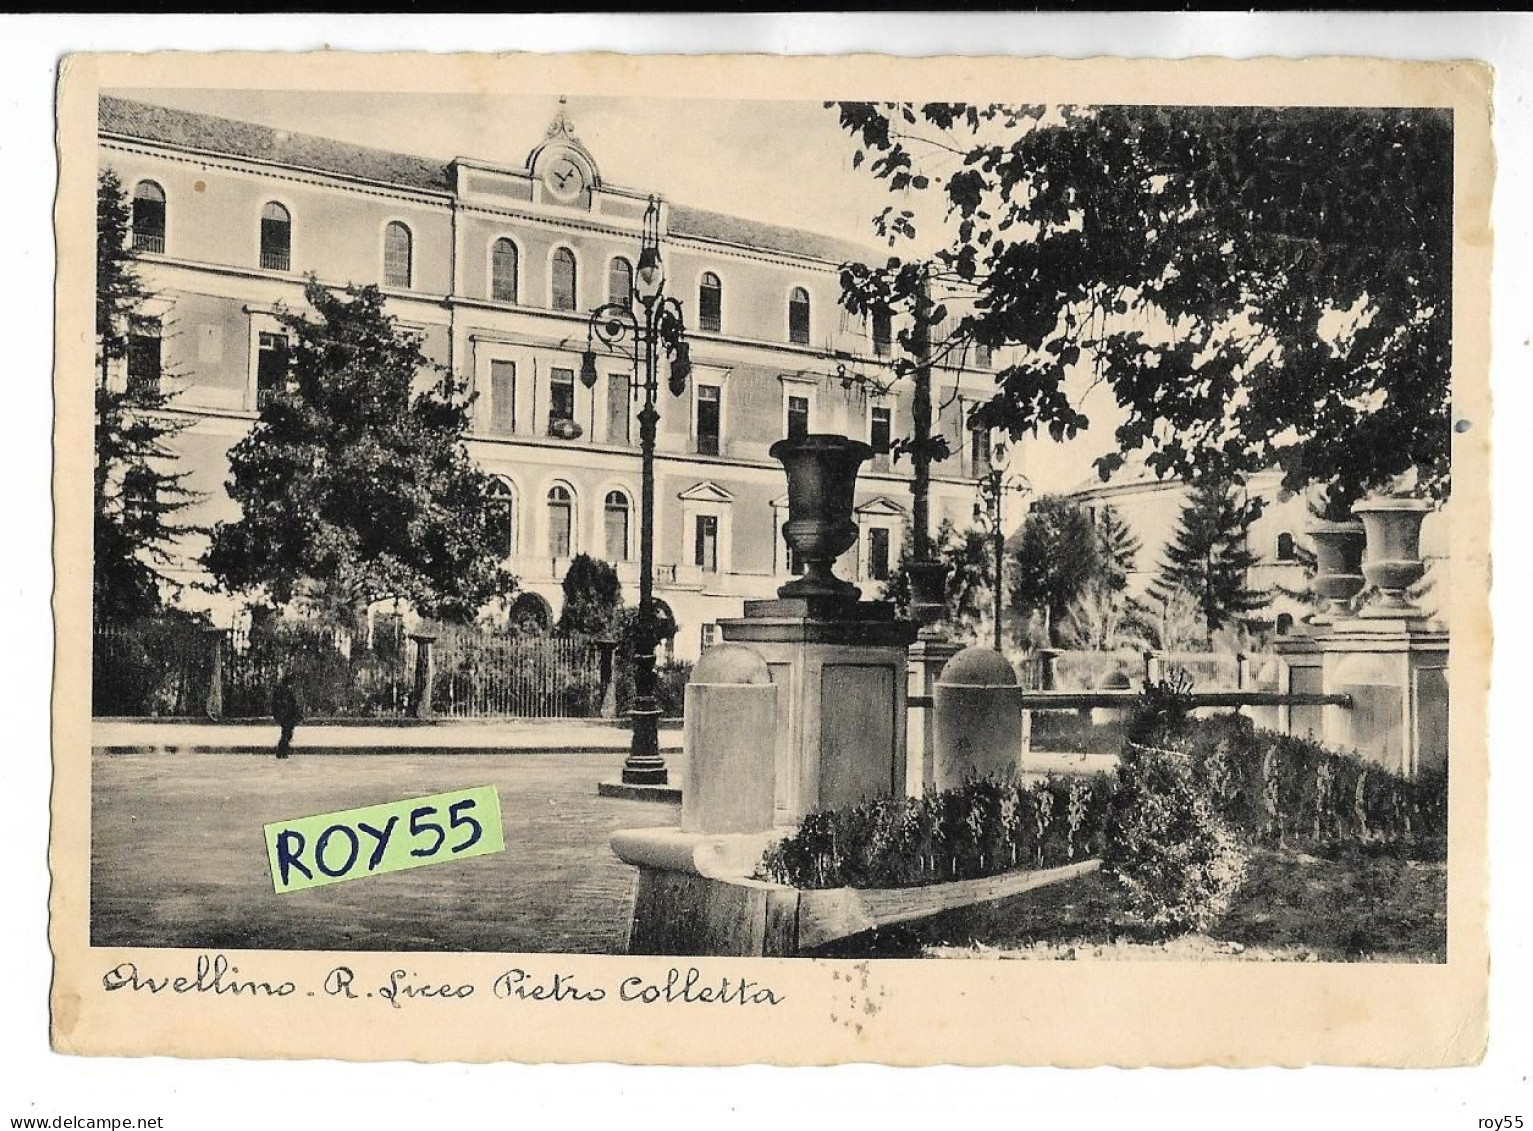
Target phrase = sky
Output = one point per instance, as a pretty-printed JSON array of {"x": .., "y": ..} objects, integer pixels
[{"x": 783, "y": 162}]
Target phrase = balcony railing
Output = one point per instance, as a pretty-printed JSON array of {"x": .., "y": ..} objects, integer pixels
[
  {"x": 276, "y": 260},
  {"x": 149, "y": 241}
]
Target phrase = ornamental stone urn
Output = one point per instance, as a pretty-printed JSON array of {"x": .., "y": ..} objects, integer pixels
[
  {"x": 1338, "y": 566},
  {"x": 822, "y": 478},
  {"x": 928, "y": 592},
  {"x": 1393, "y": 559}
]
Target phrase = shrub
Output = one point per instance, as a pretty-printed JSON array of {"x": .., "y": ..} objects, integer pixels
[
  {"x": 1284, "y": 790},
  {"x": 670, "y": 684},
  {"x": 1169, "y": 848},
  {"x": 1180, "y": 814},
  {"x": 1162, "y": 707},
  {"x": 982, "y": 828}
]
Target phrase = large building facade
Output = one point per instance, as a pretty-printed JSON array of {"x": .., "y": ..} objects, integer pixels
[{"x": 496, "y": 268}]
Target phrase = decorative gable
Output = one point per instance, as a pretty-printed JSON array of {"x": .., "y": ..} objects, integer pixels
[
  {"x": 881, "y": 507},
  {"x": 705, "y": 492}
]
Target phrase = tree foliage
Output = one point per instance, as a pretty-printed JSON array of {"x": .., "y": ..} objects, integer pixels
[
  {"x": 137, "y": 491},
  {"x": 1118, "y": 547},
  {"x": 969, "y": 558},
  {"x": 1056, "y": 556},
  {"x": 352, "y": 485},
  {"x": 1104, "y": 618},
  {"x": 593, "y": 599},
  {"x": 1209, "y": 559},
  {"x": 1256, "y": 286}
]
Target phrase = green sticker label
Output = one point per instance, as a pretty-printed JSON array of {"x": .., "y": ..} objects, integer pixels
[{"x": 308, "y": 852}]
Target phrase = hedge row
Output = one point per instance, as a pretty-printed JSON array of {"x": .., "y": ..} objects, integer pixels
[
  {"x": 983, "y": 828},
  {"x": 1283, "y": 790}
]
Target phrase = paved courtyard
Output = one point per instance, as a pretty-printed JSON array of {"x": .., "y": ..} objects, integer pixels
[{"x": 178, "y": 858}]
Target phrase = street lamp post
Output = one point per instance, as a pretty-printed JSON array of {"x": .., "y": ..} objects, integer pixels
[
  {"x": 642, "y": 334},
  {"x": 993, "y": 488}
]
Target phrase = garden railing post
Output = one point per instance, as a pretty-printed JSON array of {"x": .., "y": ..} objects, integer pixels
[
  {"x": 606, "y": 652},
  {"x": 425, "y": 674},
  {"x": 213, "y": 705},
  {"x": 1047, "y": 657}
]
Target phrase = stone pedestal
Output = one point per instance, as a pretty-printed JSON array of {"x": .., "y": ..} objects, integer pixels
[
  {"x": 979, "y": 720},
  {"x": 927, "y": 657},
  {"x": 840, "y": 671},
  {"x": 1396, "y": 671},
  {"x": 1300, "y": 672},
  {"x": 730, "y": 707}
]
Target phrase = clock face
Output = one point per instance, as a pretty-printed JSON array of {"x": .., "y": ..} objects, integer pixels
[{"x": 563, "y": 178}]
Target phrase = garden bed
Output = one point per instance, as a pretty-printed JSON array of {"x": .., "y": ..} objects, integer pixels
[{"x": 1350, "y": 904}]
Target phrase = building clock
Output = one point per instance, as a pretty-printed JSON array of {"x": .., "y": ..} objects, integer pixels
[{"x": 563, "y": 178}]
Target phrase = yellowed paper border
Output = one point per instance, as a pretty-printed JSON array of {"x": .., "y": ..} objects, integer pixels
[{"x": 908, "y": 1013}]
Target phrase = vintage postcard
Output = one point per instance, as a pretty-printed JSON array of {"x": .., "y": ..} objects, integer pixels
[{"x": 728, "y": 559}]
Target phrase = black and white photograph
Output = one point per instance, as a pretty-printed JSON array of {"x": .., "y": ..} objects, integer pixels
[{"x": 948, "y": 533}]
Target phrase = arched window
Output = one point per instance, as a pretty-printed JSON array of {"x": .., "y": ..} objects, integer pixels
[
  {"x": 561, "y": 522},
  {"x": 148, "y": 217},
  {"x": 620, "y": 282},
  {"x": 562, "y": 282},
  {"x": 276, "y": 238},
  {"x": 710, "y": 303},
  {"x": 615, "y": 523},
  {"x": 798, "y": 317},
  {"x": 499, "y": 515},
  {"x": 396, "y": 255},
  {"x": 503, "y": 270},
  {"x": 1285, "y": 550},
  {"x": 1284, "y": 623}
]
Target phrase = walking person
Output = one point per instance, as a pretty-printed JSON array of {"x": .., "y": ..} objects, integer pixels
[{"x": 287, "y": 710}]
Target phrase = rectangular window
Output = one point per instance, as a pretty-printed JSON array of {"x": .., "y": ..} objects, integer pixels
[
  {"x": 560, "y": 529},
  {"x": 883, "y": 333},
  {"x": 798, "y": 318},
  {"x": 708, "y": 420},
  {"x": 979, "y": 450},
  {"x": 709, "y": 634},
  {"x": 707, "y": 547},
  {"x": 271, "y": 365},
  {"x": 880, "y": 427},
  {"x": 276, "y": 244},
  {"x": 561, "y": 397},
  {"x": 878, "y": 553},
  {"x": 144, "y": 355},
  {"x": 615, "y": 519},
  {"x": 503, "y": 397},
  {"x": 798, "y": 417},
  {"x": 619, "y": 410}
]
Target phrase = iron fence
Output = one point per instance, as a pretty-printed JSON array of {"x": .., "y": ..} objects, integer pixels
[
  {"x": 1083, "y": 670},
  {"x": 486, "y": 675},
  {"x": 172, "y": 669}
]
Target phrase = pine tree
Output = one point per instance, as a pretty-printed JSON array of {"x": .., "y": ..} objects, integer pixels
[
  {"x": 1209, "y": 559},
  {"x": 137, "y": 492},
  {"x": 1118, "y": 547},
  {"x": 354, "y": 487}
]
